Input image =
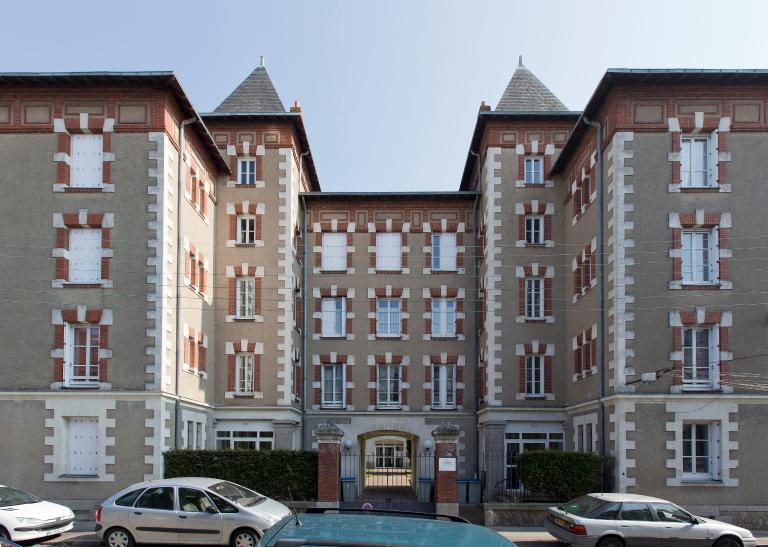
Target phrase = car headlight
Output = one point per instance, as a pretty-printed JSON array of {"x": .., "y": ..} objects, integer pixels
[{"x": 27, "y": 520}]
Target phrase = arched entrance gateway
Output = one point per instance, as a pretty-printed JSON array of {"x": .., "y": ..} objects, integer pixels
[{"x": 388, "y": 469}]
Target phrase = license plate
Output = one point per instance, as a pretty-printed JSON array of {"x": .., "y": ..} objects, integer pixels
[
  {"x": 560, "y": 522},
  {"x": 54, "y": 532}
]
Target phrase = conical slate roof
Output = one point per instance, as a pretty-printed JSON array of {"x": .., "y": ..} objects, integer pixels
[
  {"x": 255, "y": 94},
  {"x": 526, "y": 93}
]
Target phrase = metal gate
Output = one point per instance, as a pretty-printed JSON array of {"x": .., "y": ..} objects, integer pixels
[{"x": 388, "y": 479}]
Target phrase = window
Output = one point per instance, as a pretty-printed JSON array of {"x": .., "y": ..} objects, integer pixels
[
  {"x": 190, "y": 435},
  {"x": 127, "y": 500},
  {"x": 534, "y": 171},
  {"x": 700, "y": 356},
  {"x": 444, "y": 252},
  {"x": 389, "y": 251},
  {"x": 694, "y": 162},
  {"x": 333, "y": 385},
  {"x": 333, "y": 322},
  {"x": 86, "y": 169},
  {"x": 244, "y": 370},
  {"x": 444, "y": 317},
  {"x": 81, "y": 350},
  {"x": 388, "y": 317},
  {"x": 580, "y": 438},
  {"x": 534, "y": 375},
  {"x": 700, "y": 256},
  {"x": 160, "y": 497},
  {"x": 534, "y": 298},
  {"x": 699, "y": 453},
  {"x": 243, "y": 440},
  {"x": 585, "y": 437},
  {"x": 635, "y": 511},
  {"x": 245, "y": 297},
  {"x": 83, "y": 446},
  {"x": 667, "y": 512},
  {"x": 389, "y": 455},
  {"x": 247, "y": 172},
  {"x": 334, "y": 257},
  {"x": 199, "y": 435},
  {"x": 388, "y": 385},
  {"x": 443, "y": 386},
  {"x": 193, "y": 501},
  {"x": 534, "y": 230},
  {"x": 246, "y": 229},
  {"x": 85, "y": 255}
]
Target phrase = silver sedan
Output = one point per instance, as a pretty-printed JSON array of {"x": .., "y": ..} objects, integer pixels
[
  {"x": 185, "y": 511},
  {"x": 630, "y": 520}
]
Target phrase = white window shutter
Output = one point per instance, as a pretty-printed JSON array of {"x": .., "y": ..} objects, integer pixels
[
  {"x": 83, "y": 437},
  {"x": 85, "y": 255},
  {"x": 343, "y": 331},
  {"x": 87, "y": 161},
  {"x": 448, "y": 251},
  {"x": 713, "y": 158},
  {"x": 334, "y": 253},
  {"x": 714, "y": 356},
  {"x": 68, "y": 351},
  {"x": 714, "y": 256}
]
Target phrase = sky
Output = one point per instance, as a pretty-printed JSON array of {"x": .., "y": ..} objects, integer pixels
[{"x": 389, "y": 89}]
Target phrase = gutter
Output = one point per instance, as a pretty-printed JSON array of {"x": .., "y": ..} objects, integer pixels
[
  {"x": 304, "y": 304},
  {"x": 179, "y": 242},
  {"x": 600, "y": 275},
  {"x": 476, "y": 305}
]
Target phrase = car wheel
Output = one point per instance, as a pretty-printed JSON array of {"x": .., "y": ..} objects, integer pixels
[
  {"x": 244, "y": 537},
  {"x": 4, "y": 534},
  {"x": 118, "y": 537},
  {"x": 610, "y": 541},
  {"x": 728, "y": 542}
]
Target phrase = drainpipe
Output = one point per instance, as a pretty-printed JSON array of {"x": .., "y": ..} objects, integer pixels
[
  {"x": 600, "y": 276},
  {"x": 304, "y": 304},
  {"x": 475, "y": 341},
  {"x": 179, "y": 245}
]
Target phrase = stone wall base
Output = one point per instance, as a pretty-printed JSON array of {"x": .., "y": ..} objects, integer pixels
[
  {"x": 751, "y": 517},
  {"x": 447, "y": 508},
  {"x": 515, "y": 514}
]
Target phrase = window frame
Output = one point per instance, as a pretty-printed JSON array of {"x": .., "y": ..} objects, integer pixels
[
  {"x": 441, "y": 326},
  {"x": 710, "y": 458},
  {"x": 245, "y": 235},
  {"x": 244, "y": 361},
  {"x": 70, "y": 351},
  {"x": 534, "y": 375},
  {"x": 81, "y": 276},
  {"x": 327, "y": 259},
  {"x": 392, "y": 382},
  {"x": 444, "y": 378},
  {"x": 444, "y": 253},
  {"x": 536, "y": 233},
  {"x": 339, "y": 319},
  {"x": 534, "y": 298},
  {"x": 242, "y": 297},
  {"x": 692, "y": 365},
  {"x": 534, "y": 165},
  {"x": 687, "y": 160},
  {"x": 249, "y": 173},
  {"x": 233, "y": 437},
  {"x": 336, "y": 388},
  {"x": 74, "y": 180},
  {"x": 382, "y": 257},
  {"x": 393, "y": 318},
  {"x": 692, "y": 257}
]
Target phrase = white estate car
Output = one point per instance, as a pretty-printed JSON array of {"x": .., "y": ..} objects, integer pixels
[
  {"x": 24, "y": 517},
  {"x": 187, "y": 510},
  {"x": 631, "y": 520}
]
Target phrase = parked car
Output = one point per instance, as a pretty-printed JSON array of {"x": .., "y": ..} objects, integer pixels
[
  {"x": 377, "y": 528},
  {"x": 8, "y": 543},
  {"x": 187, "y": 510},
  {"x": 25, "y": 517},
  {"x": 629, "y": 520}
]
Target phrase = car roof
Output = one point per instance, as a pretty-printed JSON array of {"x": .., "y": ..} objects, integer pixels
[
  {"x": 618, "y": 497},
  {"x": 200, "y": 482},
  {"x": 378, "y": 529}
]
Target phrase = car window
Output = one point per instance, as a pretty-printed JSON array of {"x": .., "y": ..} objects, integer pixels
[
  {"x": 222, "y": 505},
  {"x": 636, "y": 511},
  {"x": 11, "y": 496},
  {"x": 609, "y": 511},
  {"x": 667, "y": 512},
  {"x": 160, "y": 497},
  {"x": 126, "y": 500},
  {"x": 237, "y": 494},
  {"x": 193, "y": 501},
  {"x": 583, "y": 506}
]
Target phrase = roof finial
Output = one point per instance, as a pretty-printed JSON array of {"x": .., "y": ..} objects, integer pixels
[
  {"x": 519, "y": 62},
  {"x": 261, "y": 61}
]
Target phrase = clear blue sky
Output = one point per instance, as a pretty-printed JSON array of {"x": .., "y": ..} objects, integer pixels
[{"x": 389, "y": 89}]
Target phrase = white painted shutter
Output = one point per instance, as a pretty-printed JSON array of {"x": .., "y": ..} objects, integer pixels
[
  {"x": 712, "y": 159},
  {"x": 448, "y": 251},
  {"x": 86, "y": 170},
  {"x": 328, "y": 312},
  {"x": 714, "y": 256},
  {"x": 334, "y": 252},
  {"x": 388, "y": 251},
  {"x": 85, "y": 255},
  {"x": 68, "y": 351},
  {"x": 714, "y": 356},
  {"x": 83, "y": 446}
]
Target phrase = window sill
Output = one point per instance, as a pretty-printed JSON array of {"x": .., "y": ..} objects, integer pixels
[
  {"x": 701, "y": 286},
  {"x": 701, "y": 482},
  {"x": 535, "y": 245},
  {"x": 389, "y": 337},
  {"x": 84, "y": 190},
  {"x": 444, "y": 338},
  {"x": 334, "y": 337},
  {"x": 396, "y": 272},
  {"x": 332, "y": 407},
  {"x": 388, "y": 407},
  {"x": 437, "y": 271},
  {"x": 94, "y": 285},
  {"x": 434, "y": 407},
  {"x": 245, "y": 244},
  {"x": 333, "y": 271}
]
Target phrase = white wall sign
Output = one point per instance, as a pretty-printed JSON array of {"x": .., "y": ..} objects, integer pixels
[{"x": 446, "y": 464}]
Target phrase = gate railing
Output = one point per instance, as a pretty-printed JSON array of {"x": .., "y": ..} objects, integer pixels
[{"x": 388, "y": 478}]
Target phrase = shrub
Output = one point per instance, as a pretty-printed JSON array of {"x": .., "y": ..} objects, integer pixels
[
  {"x": 269, "y": 472},
  {"x": 562, "y": 475}
]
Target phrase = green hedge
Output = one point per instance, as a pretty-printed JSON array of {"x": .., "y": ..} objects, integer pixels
[
  {"x": 270, "y": 472},
  {"x": 562, "y": 476}
]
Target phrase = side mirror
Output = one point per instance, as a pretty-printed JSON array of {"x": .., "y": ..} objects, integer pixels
[
  {"x": 211, "y": 509},
  {"x": 695, "y": 520}
]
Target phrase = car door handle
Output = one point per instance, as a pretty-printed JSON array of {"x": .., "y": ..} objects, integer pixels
[
  {"x": 137, "y": 512},
  {"x": 182, "y": 516}
]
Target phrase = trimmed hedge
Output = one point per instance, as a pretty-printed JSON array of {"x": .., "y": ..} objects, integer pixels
[
  {"x": 562, "y": 475},
  {"x": 269, "y": 472}
]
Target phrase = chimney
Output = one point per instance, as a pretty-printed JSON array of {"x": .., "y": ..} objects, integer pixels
[
  {"x": 261, "y": 62},
  {"x": 296, "y": 107},
  {"x": 484, "y": 106}
]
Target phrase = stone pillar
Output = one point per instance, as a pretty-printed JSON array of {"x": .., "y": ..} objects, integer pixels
[
  {"x": 284, "y": 434},
  {"x": 328, "y": 464},
  {"x": 446, "y": 438}
]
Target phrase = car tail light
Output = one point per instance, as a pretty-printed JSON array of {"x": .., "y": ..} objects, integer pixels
[
  {"x": 98, "y": 514},
  {"x": 578, "y": 529}
]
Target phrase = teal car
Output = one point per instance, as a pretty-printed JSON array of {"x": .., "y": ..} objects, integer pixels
[{"x": 358, "y": 528}]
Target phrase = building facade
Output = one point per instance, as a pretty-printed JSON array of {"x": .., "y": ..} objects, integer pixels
[{"x": 595, "y": 284}]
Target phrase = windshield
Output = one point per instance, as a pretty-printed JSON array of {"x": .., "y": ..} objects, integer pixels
[
  {"x": 11, "y": 496},
  {"x": 237, "y": 494},
  {"x": 583, "y": 506}
]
